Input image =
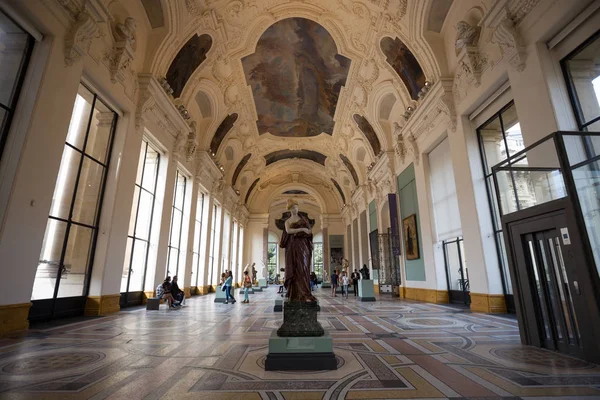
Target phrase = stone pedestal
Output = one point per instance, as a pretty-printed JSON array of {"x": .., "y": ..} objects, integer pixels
[
  {"x": 278, "y": 305},
  {"x": 257, "y": 288},
  {"x": 250, "y": 291},
  {"x": 220, "y": 295},
  {"x": 308, "y": 353},
  {"x": 366, "y": 291},
  {"x": 300, "y": 319},
  {"x": 262, "y": 283},
  {"x": 326, "y": 285}
]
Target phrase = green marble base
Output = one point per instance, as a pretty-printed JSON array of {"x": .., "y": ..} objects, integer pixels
[
  {"x": 257, "y": 288},
  {"x": 326, "y": 285},
  {"x": 250, "y": 291},
  {"x": 366, "y": 291},
  {"x": 300, "y": 320},
  {"x": 262, "y": 283},
  {"x": 300, "y": 353},
  {"x": 220, "y": 295},
  {"x": 278, "y": 305}
]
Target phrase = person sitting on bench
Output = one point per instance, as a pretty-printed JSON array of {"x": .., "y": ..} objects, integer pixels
[
  {"x": 176, "y": 292},
  {"x": 163, "y": 291}
]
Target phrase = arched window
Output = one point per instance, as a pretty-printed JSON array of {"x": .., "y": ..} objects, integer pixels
[{"x": 272, "y": 255}]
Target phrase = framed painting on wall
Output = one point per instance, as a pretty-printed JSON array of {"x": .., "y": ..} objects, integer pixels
[{"x": 411, "y": 240}]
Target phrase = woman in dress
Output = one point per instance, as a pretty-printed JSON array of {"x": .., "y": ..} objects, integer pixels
[{"x": 297, "y": 242}]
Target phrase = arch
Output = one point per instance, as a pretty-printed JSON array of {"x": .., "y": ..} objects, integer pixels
[
  {"x": 384, "y": 108},
  {"x": 339, "y": 189},
  {"x": 308, "y": 189},
  {"x": 367, "y": 130},
  {"x": 239, "y": 168},
  {"x": 309, "y": 155},
  {"x": 405, "y": 64},
  {"x": 191, "y": 55},
  {"x": 350, "y": 167},
  {"x": 228, "y": 153},
  {"x": 222, "y": 131},
  {"x": 204, "y": 103}
]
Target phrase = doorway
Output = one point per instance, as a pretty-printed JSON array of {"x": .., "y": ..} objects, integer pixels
[
  {"x": 457, "y": 274},
  {"x": 555, "y": 292}
]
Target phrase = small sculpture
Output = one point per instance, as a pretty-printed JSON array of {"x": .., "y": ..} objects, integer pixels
[
  {"x": 364, "y": 271},
  {"x": 466, "y": 35},
  {"x": 126, "y": 31}
]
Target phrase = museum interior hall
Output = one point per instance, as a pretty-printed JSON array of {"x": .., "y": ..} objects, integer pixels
[{"x": 300, "y": 199}]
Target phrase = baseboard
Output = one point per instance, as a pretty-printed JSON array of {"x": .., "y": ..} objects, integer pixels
[
  {"x": 102, "y": 305},
  {"x": 426, "y": 295},
  {"x": 488, "y": 303},
  {"x": 14, "y": 317}
]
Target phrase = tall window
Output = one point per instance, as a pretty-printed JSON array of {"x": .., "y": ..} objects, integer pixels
[
  {"x": 234, "y": 248},
  {"x": 175, "y": 261},
  {"x": 583, "y": 79},
  {"x": 140, "y": 222},
  {"x": 69, "y": 242},
  {"x": 226, "y": 242},
  {"x": 499, "y": 138},
  {"x": 198, "y": 238},
  {"x": 213, "y": 246},
  {"x": 241, "y": 251},
  {"x": 318, "y": 259},
  {"x": 15, "y": 50},
  {"x": 272, "y": 258}
]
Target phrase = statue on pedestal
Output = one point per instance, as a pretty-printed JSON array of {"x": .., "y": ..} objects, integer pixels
[{"x": 364, "y": 271}]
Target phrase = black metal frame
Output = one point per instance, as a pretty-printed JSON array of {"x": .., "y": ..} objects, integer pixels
[
  {"x": 491, "y": 196},
  {"x": 582, "y": 125},
  {"x": 46, "y": 308},
  {"x": 466, "y": 298},
  {"x": 570, "y": 206},
  {"x": 126, "y": 299},
  {"x": 173, "y": 209},
  {"x": 14, "y": 97},
  {"x": 199, "y": 221}
]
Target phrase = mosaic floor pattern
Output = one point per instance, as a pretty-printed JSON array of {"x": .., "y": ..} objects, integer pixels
[{"x": 390, "y": 349}]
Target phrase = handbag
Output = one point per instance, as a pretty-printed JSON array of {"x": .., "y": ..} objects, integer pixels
[{"x": 223, "y": 287}]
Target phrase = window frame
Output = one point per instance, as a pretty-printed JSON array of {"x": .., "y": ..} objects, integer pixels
[
  {"x": 199, "y": 227},
  {"x": 170, "y": 247}
]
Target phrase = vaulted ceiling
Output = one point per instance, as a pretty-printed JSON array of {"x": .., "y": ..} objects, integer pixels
[{"x": 295, "y": 95}]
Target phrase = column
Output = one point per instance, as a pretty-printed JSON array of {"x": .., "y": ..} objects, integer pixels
[
  {"x": 205, "y": 262},
  {"x": 31, "y": 191},
  {"x": 219, "y": 243},
  {"x": 186, "y": 282},
  {"x": 480, "y": 248}
]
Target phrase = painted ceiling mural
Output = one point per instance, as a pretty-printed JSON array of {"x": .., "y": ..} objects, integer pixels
[
  {"x": 239, "y": 168},
  {"x": 222, "y": 131},
  {"x": 339, "y": 189},
  {"x": 405, "y": 64},
  {"x": 350, "y": 167},
  {"x": 366, "y": 128},
  {"x": 296, "y": 75},
  {"x": 191, "y": 55},
  {"x": 250, "y": 189},
  {"x": 287, "y": 154},
  {"x": 295, "y": 191}
]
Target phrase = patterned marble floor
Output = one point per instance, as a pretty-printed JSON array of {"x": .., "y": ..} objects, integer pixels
[{"x": 390, "y": 349}]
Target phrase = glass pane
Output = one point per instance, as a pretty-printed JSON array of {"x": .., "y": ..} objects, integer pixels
[
  {"x": 140, "y": 167},
  {"x": 176, "y": 229},
  {"x": 512, "y": 130},
  {"x": 495, "y": 211},
  {"x": 13, "y": 45},
  {"x": 45, "y": 276},
  {"x": 195, "y": 259},
  {"x": 76, "y": 262},
  {"x": 492, "y": 142},
  {"x": 453, "y": 267},
  {"x": 504, "y": 259},
  {"x": 540, "y": 291},
  {"x": 196, "y": 244},
  {"x": 144, "y": 217},
  {"x": 173, "y": 259},
  {"x": 88, "y": 192},
  {"x": 585, "y": 80},
  {"x": 138, "y": 266},
  {"x": 564, "y": 300},
  {"x": 151, "y": 170},
  {"x": 565, "y": 283},
  {"x": 581, "y": 148},
  {"x": 593, "y": 127},
  {"x": 507, "y": 192},
  {"x": 126, "y": 263},
  {"x": 65, "y": 183},
  {"x": 100, "y": 132},
  {"x": 80, "y": 117},
  {"x": 134, "y": 207},
  {"x": 553, "y": 297},
  {"x": 587, "y": 182},
  {"x": 179, "y": 192}
]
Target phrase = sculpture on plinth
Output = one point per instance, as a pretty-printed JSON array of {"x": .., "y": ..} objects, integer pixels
[
  {"x": 300, "y": 343},
  {"x": 364, "y": 271}
]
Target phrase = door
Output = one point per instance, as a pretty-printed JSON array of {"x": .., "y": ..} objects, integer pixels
[
  {"x": 457, "y": 274},
  {"x": 552, "y": 287}
]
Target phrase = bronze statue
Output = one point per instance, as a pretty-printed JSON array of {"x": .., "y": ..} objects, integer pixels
[{"x": 297, "y": 242}]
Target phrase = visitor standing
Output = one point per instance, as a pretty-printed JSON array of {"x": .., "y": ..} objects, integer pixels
[
  {"x": 247, "y": 286},
  {"x": 334, "y": 282},
  {"x": 345, "y": 284},
  {"x": 355, "y": 279},
  {"x": 228, "y": 285}
]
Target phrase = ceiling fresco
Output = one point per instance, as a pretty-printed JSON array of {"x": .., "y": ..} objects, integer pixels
[
  {"x": 296, "y": 75},
  {"x": 191, "y": 55},
  {"x": 350, "y": 167},
  {"x": 250, "y": 189},
  {"x": 295, "y": 191},
  {"x": 405, "y": 64},
  {"x": 222, "y": 131},
  {"x": 339, "y": 189},
  {"x": 366, "y": 128},
  {"x": 239, "y": 168},
  {"x": 303, "y": 154}
]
